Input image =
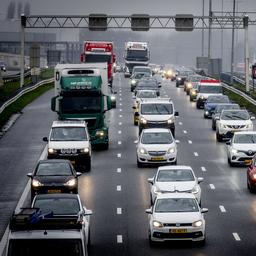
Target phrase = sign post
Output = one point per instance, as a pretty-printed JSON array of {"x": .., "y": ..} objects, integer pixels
[{"x": 253, "y": 75}]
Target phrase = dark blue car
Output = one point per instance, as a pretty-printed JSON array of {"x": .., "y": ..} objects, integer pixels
[{"x": 212, "y": 102}]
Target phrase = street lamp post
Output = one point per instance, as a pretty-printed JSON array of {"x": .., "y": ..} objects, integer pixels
[{"x": 233, "y": 43}]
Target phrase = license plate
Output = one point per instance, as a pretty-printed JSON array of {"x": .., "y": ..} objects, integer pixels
[
  {"x": 178, "y": 231},
  {"x": 248, "y": 162},
  {"x": 53, "y": 191},
  {"x": 157, "y": 158}
]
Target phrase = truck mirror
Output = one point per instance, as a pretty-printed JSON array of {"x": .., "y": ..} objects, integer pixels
[
  {"x": 53, "y": 104},
  {"x": 109, "y": 103}
]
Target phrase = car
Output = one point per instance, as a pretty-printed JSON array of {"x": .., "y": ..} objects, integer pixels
[
  {"x": 241, "y": 148},
  {"x": 219, "y": 108},
  {"x": 176, "y": 216},
  {"x": 156, "y": 146},
  {"x": 190, "y": 81},
  {"x": 157, "y": 113},
  {"x": 140, "y": 96},
  {"x": 251, "y": 176},
  {"x": 231, "y": 121},
  {"x": 135, "y": 79},
  {"x": 212, "y": 102},
  {"x": 70, "y": 140},
  {"x": 182, "y": 76},
  {"x": 149, "y": 83},
  {"x": 193, "y": 92},
  {"x": 205, "y": 89},
  {"x": 177, "y": 178},
  {"x": 54, "y": 176},
  {"x": 143, "y": 69}
]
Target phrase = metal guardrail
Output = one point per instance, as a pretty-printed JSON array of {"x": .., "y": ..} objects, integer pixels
[
  {"x": 15, "y": 77},
  {"x": 16, "y": 97}
]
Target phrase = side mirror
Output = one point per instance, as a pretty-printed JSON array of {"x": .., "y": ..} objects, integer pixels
[
  {"x": 228, "y": 142},
  {"x": 252, "y": 117},
  {"x": 159, "y": 85},
  {"x": 136, "y": 114},
  {"x": 204, "y": 210},
  {"x": 149, "y": 211},
  {"x": 45, "y": 139},
  {"x": 133, "y": 107},
  {"x": 200, "y": 179},
  {"x": 87, "y": 212},
  {"x": 177, "y": 141},
  {"x": 78, "y": 174},
  {"x": 176, "y": 113},
  {"x": 30, "y": 175},
  {"x": 151, "y": 180}
]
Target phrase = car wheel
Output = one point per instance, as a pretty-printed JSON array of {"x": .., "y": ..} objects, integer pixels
[
  {"x": 173, "y": 132},
  {"x": 205, "y": 116},
  {"x": 218, "y": 137},
  {"x": 177, "y": 85},
  {"x": 197, "y": 105},
  {"x": 135, "y": 123},
  {"x": 151, "y": 199},
  {"x": 213, "y": 126},
  {"x": 190, "y": 98},
  {"x": 175, "y": 163},
  {"x": 139, "y": 164},
  {"x": 201, "y": 243}
]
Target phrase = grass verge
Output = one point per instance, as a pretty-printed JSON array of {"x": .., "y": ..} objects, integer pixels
[{"x": 23, "y": 101}]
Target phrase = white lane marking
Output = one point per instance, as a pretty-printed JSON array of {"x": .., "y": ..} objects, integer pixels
[
  {"x": 120, "y": 110},
  {"x": 119, "y": 142},
  {"x": 180, "y": 123},
  {"x": 222, "y": 208},
  {"x": 212, "y": 186},
  {"x": 203, "y": 169},
  {"x": 119, "y": 239},
  {"x": 19, "y": 205},
  {"x": 236, "y": 236},
  {"x": 119, "y": 170},
  {"x": 120, "y": 123},
  {"x": 119, "y": 132},
  {"x": 189, "y": 141},
  {"x": 120, "y": 115},
  {"x": 119, "y": 188},
  {"x": 118, "y": 210},
  {"x": 119, "y": 155},
  {"x": 120, "y": 99},
  {"x": 185, "y": 131},
  {"x": 120, "y": 104},
  {"x": 196, "y": 154}
]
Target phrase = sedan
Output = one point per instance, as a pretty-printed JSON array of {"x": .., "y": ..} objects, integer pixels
[
  {"x": 176, "y": 216},
  {"x": 251, "y": 176},
  {"x": 241, "y": 148},
  {"x": 156, "y": 146},
  {"x": 175, "y": 179},
  {"x": 54, "y": 176}
]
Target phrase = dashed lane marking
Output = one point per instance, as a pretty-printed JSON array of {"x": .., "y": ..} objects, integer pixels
[
  {"x": 203, "y": 169},
  {"x": 119, "y": 132},
  {"x": 189, "y": 141},
  {"x": 120, "y": 115},
  {"x": 119, "y": 188},
  {"x": 196, "y": 154},
  {"x": 212, "y": 186},
  {"x": 119, "y": 142},
  {"x": 120, "y": 123},
  {"x": 119, "y": 155},
  {"x": 185, "y": 131},
  {"x": 120, "y": 110},
  {"x": 119, "y": 170},
  {"x": 119, "y": 239},
  {"x": 222, "y": 208},
  {"x": 236, "y": 236},
  {"x": 119, "y": 211},
  {"x": 180, "y": 123}
]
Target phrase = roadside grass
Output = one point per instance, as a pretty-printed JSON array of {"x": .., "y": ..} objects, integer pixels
[{"x": 23, "y": 101}]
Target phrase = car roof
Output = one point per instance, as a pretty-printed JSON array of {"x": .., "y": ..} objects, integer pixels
[
  {"x": 176, "y": 195},
  {"x": 174, "y": 167},
  {"x": 56, "y": 195},
  {"x": 70, "y": 123},
  {"x": 54, "y": 161},
  {"x": 150, "y": 130},
  {"x": 245, "y": 132}
]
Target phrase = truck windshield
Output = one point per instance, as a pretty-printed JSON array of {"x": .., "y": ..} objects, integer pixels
[
  {"x": 98, "y": 58},
  {"x": 210, "y": 89},
  {"x": 156, "y": 109},
  {"x": 43, "y": 247},
  {"x": 140, "y": 55},
  {"x": 80, "y": 105}
]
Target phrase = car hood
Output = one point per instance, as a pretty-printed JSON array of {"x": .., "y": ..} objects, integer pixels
[
  {"x": 244, "y": 147},
  {"x": 157, "y": 147},
  {"x": 68, "y": 144},
  {"x": 235, "y": 122},
  {"x": 206, "y": 95},
  {"x": 53, "y": 179},
  {"x": 177, "y": 217},
  {"x": 157, "y": 117},
  {"x": 172, "y": 186},
  {"x": 210, "y": 105}
]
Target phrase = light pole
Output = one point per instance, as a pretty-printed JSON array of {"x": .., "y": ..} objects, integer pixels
[
  {"x": 233, "y": 43},
  {"x": 210, "y": 34},
  {"x": 203, "y": 31}
]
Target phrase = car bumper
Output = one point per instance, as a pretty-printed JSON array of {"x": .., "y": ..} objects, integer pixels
[
  {"x": 228, "y": 133},
  {"x": 241, "y": 158},
  {"x": 164, "y": 159},
  {"x": 76, "y": 160}
]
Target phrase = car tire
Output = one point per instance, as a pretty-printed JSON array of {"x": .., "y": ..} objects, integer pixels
[
  {"x": 191, "y": 99},
  {"x": 205, "y": 116},
  {"x": 177, "y": 85},
  {"x": 198, "y": 105},
  {"x": 201, "y": 243},
  {"x": 135, "y": 123},
  {"x": 175, "y": 163},
  {"x": 213, "y": 126},
  {"x": 218, "y": 137},
  {"x": 151, "y": 199},
  {"x": 139, "y": 164}
]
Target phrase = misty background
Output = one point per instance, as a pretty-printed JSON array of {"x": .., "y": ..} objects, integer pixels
[{"x": 167, "y": 46}]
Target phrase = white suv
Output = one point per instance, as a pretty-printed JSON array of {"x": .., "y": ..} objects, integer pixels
[
  {"x": 70, "y": 140},
  {"x": 231, "y": 121}
]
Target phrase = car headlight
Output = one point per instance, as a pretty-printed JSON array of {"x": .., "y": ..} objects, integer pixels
[
  {"x": 100, "y": 133},
  {"x": 197, "y": 224},
  {"x": 113, "y": 98},
  {"x": 254, "y": 176},
  {"x": 142, "y": 151},
  {"x": 234, "y": 151},
  {"x": 171, "y": 150},
  {"x": 51, "y": 150},
  {"x": 206, "y": 112},
  {"x": 179, "y": 78},
  {"x": 70, "y": 183},
  {"x": 169, "y": 73},
  {"x": 85, "y": 150},
  {"x": 133, "y": 82},
  {"x": 195, "y": 189},
  {"x": 143, "y": 120},
  {"x": 156, "y": 191},
  {"x": 189, "y": 85},
  {"x": 193, "y": 92},
  {"x": 157, "y": 224},
  {"x": 36, "y": 183},
  {"x": 169, "y": 121},
  {"x": 202, "y": 97}
]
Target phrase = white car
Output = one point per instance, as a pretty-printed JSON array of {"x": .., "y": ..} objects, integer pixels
[
  {"x": 156, "y": 146},
  {"x": 176, "y": 216},
  {"x": 175, "y": 179},
  {"x": 241, "y": 148},
  {"x": 231, "y": 121}
]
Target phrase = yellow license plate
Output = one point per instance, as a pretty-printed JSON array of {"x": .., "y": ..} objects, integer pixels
[
  {"x": 53, "y": 191},
  {"x": 157, "y": 158},
  {"x": 178, "y": 231},
  {"x": 248, "y": 162}
]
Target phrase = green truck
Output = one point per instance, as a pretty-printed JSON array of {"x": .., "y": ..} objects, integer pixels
[{"x": 82, "y": 93}]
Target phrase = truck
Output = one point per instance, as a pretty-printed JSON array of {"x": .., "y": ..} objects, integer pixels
[
  {"x": 99, "y": 51},
  {"x": 136, "y": 54},
  {"x": 82, "y": 93}
]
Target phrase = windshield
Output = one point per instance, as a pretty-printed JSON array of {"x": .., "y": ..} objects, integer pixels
[
  {"x": 140, "y": 55},
  {"x": 53, "y": 169},
  {"x": 142, "y": 70},
  {"x": 210, "y": 89},
  {"x": 185, "y": 73},
  {"x": 140, "y": 75},
  {"x": 59, "y": 206},
  {"x": 176, "y": 205},
  {"x": 235, "y": 115},
  {"x": 80, "y": 105},
  {"x": 43, "y": 247},
  {"x": 156, "y": 109},
  {"x": 98, "y": 58},
  {"x": 245, "y": 138},
  {"x": 219, "y": 108},
  {"x": 68, "y": 134},
  {"x": 146, "y": 94},
  {"x": 156, "y": 138},
  {"x": 175, "y": 175},
  {"x": 216, "y": 99}
]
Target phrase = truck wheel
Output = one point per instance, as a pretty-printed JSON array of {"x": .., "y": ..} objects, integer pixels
[{"x": 105, "y": 146}]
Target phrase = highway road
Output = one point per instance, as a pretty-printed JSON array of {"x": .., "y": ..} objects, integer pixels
[{"x": 117, "y": 191}]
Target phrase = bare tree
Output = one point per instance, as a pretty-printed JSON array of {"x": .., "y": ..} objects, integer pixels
[{"x": 10, "y": 11}]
